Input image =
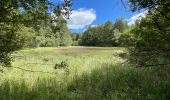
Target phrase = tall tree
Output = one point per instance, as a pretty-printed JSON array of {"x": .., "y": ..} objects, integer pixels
[
  {"x": 152, "y": 35},
  {"x": 12, "y": 15},
  {"x": 121, "y": 24},
  {"x": 61, "y": 31},
  {"x": 101, "y": 35}
]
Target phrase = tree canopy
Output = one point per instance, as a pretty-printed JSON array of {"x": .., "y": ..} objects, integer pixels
[
  {"x": 152, "y": 34},
  {"x": 100, "y": 35},
  {"x": 29, "y": 13}
]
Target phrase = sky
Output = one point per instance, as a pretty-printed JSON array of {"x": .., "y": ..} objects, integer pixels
[{"x": 88, "y": 13}]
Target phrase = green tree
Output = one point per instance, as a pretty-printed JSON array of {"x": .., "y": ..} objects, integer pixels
[
  {"x": 101, "y": 35},
  {"x": 121, "y": 24},
  {"x": 9, "y": 42},
  {"x": 152, "y": 34},
  {"x": 76, "y": 38},
  {"x": 125, "y": 39},
  {"x": 27, "y": 35},
  {"x": 61, "y": 32},
  {"x": 27, "y": 12}
]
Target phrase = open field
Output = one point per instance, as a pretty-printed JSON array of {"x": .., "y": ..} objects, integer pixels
[{"x": 89, "y": 73}]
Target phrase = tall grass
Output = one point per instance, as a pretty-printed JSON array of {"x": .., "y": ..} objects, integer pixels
[{"x": 94, "y": 74}]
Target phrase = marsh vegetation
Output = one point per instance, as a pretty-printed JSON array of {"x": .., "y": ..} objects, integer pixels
[{"x": 93, "y": 73}]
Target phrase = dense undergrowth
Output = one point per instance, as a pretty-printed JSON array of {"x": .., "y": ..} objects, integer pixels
[{"x": 94, "y": 74}]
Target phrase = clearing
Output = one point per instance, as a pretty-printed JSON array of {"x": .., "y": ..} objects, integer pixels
[{"x": 87, "y": 73}]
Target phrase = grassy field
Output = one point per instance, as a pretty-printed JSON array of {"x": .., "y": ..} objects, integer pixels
[{"x": 91, "y": 73}]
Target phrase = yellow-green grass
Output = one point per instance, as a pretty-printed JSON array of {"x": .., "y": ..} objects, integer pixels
[
  {"x": 95, "y": 73},
  {"x": 80, "y": 60}
]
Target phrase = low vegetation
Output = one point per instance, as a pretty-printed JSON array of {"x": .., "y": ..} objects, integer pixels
[{"x": 93, "y": 73}]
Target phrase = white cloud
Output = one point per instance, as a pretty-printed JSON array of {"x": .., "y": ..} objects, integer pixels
[
  {"x": 136, "y": 17},
  {"x": 93, "y": 25},
  {"x": 81, "y": 18}
]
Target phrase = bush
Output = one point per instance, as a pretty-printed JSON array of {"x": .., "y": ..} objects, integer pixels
[
  {"x": 28, "y": 37},
  {"x": 10, "y": 41},
  {"x": 43, "y": 41}
]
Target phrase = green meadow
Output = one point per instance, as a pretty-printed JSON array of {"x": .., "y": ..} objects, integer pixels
[{"x": 81, "y": 73}]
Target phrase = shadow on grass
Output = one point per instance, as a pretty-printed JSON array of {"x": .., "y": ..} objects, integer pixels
[
  {"x": 106, "y": 83},
  {"x": 118, "y": 83},
  {"x": 43, "y": 89}
]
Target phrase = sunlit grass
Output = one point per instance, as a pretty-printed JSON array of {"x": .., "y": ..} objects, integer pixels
[
  {"x": 95, "y": 73},
  {"x": 80, "y": 60}
]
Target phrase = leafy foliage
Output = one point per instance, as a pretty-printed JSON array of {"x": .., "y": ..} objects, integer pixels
[
  {"x": 9, "y": 42},
  {"x": 101, "y": 35},
  {"x": 76, "y": 38},
  {"x": 108, "y": 34},
  {"x": 121, "y": 25},
  {"x": 18, "y": 14},
  {"x": 152, "y": 36},
  {"x": 61, "y": 32}
]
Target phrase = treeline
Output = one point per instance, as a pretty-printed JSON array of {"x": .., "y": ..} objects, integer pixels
[
  {"x": 105, "y": 35},
  {"x": 47, "y": 35},
  {"x": 58, "y": 34}
]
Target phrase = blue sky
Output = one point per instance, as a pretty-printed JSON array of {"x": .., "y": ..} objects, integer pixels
[{"x": 88, "y": 13}]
